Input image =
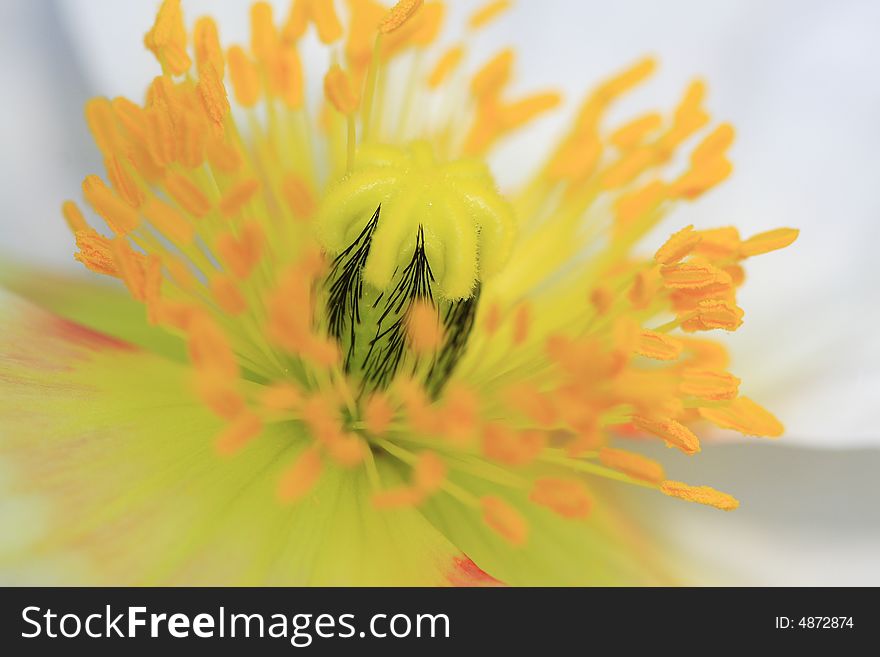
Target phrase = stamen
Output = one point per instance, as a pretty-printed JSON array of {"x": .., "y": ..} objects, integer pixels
[
  {"x": 632, "y": 464},
  {"x": 236, "y": 198},
  {"x": 429, "y": 473},
  {"x": 244, "y": 77},
  {"x": 301, "y": 476},
  {"x": 486, "y": 14},
  {"x": 746, "y": 417},
  {"x": 447, "y": 63},
  {"x": 168, "y": 221},
  {"x": 95, "y": 252},
  {"x": 398, "y": 15},
  {"x": 700, "y": 495},
  {"x": 568, "y": 498},
  {"x": 504, "y": 519},
  {"x": 658, "y": 346},
  {"x": 710, "y": 385},
  {"x": 187, "y": 194},
  {"x": 767, "y": 242},
  {"x": 678, "y": 246},
  {"x": 74, "y": 218},
  {"x": 674, "y": 433},
  {"x": 238, "y": 433},
  {"x": 505, "y": 445},
  {"x": 243, "y": 253},
  {"x": 118, "y": 214},
  {"x": 207, "y": 46}
]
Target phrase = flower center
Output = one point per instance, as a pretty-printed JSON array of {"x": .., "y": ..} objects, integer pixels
[{"x": 409, "y": 234}]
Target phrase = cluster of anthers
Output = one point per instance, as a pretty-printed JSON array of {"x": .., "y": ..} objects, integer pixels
[{"x": 346, "y": 267}]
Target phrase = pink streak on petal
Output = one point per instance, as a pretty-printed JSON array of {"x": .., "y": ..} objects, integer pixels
[{"x": 466, "y": 573}]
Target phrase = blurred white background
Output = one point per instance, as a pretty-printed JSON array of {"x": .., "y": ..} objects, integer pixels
[{"x": 798, "y": 78}]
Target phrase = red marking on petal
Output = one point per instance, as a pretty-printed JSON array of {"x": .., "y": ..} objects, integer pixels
[
  {"x": 78, "y": 334},
  {"x": 466, "y": 573}
]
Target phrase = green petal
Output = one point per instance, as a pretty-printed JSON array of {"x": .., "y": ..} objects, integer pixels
[
  {"x": 97, "y": 302},
  {"x": 604, "y": 550},
  {"x": 109, "y": 476}
]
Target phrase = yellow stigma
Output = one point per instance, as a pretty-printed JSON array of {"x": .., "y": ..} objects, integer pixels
[{"x": 467, "y": 226}]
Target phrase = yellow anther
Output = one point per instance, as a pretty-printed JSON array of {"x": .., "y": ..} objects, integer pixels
[
  {"x": 238, "y": 433},
  {"x": 644, "y": 288},
  {"x": 632, "y": 464},
  {"x": 709, "y": 384},
  {"x": 168, "y": 221},
  {"x": 714, "y": 314},
  {"x": 487, "y": 13},
  {"x": 187, "y": 194},
  {"x": 219, "y": 395},
  {"x": 634, "y": 133},
  {"x": 428, "y": 24},
  {"x": 132, "y": 268},
  {"x": 118, "y": 214},
  {"x": 74, "y": 217},
  {"x": 286, "y": 76},
  {"x": 658, "y": 346},
  {"x": 301, "y": 476},
  {"x": 504, "y": 519},
  {"x": 167, "y": 38},
  {"x": 227, "y": 295},
  {"x": 340, "y": 91},
  {"x": 238, "y": 196},
  {"x": 346, "y": 449},
  {"x": 245, "y": 77},
  {"x": 212, "y": 94},
  {"x": 209, "y": 349},
  {"x": 423, "y": 328},
  {"x": 693, "y": 275},
  {"x": 223, "y": 156},
  {"x": 632, "y": 206},
  {"x": 264, "y": 37},
  {"x": 674, "y": 433},
  {"x": 746, "y": 417},
  {"x": 378, "y": 414},
  {"x": 602, "y": 299},
  {"x": 242, "y": 253},
  {"x": 444, "y": 67},
  {"x": 768, "y": 241},
  {"x": 398, "y": 15},
  {"x": 626, "y": 80},
  {"x": 678, "y": 246},
  {"x": 565, "y": 497},
  {"x": 700, "y": 495},
  {"x": 718, "y": 243},
  {"x": 522, "y": 322},
  {"x": 713, "y": 145},
  {"x": 512, "y": 447},
  {"x": 516, "y": 114},
  {"x": 95, "y": 252},
  {"x": 531, "y": 402},
  {"x": 281, "y": 396},
  {"x": 628, "y": 167},
  {"x": 493, "y": 76},
  {"x": 207, "y": 46},
  {"x": 429, "y": 472},
  {"x": 396, "y": 498},
  {"x": 299, "y": 196},
  {"x": 102, "y": 124},
  {"x": 320, "y": 12},
  {"x": 326, "y": 21}
]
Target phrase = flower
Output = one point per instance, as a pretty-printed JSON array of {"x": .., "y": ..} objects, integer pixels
[{"x": 391, "y": 364}]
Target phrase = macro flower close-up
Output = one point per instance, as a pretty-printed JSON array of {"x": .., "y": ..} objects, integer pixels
[{"x": 355, "y": 306}]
